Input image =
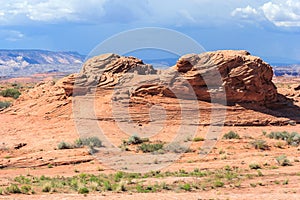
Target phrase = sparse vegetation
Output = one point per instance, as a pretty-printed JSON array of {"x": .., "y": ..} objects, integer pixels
[
  {"x": 285, "y": 182},
  {"x": 89, "y": 142},
  {"x": 283, "y": 161},
  {"x": 13, "y": 189},
  {"x": 122, "y": 181},
  {"x": 83, "y": 190},
  {"x": 10, "y": 92},
  {"x": 25, "y": 189},
  {"x": 254, "y": 166},
  {"x": 64, "y": 145},
  {"x": 4, "y": 104},
  {"x": 148, "y": 147},
  {"x": 260, "y": 144},
  {"x": 290, "y": 138},
  {"x": 218, "y": 183},
  {"x": 186, "y": 187},
  {"x": 231, "y": 135},
  {"x": 198, "y": 139}
]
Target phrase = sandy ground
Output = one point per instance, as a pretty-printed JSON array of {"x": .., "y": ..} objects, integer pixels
[{"x": 41, "y": 133}]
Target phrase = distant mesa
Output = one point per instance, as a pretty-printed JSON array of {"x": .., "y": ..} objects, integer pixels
[{"x": 28, "y": 62}]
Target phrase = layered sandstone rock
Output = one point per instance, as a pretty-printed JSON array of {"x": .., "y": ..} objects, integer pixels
[
  {"x": 106, "y": 70},
  {"x": 228, "y": 76},
  {"x": 242, "y": 77}
]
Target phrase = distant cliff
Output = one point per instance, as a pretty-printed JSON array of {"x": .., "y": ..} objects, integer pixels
[{"x": 26, "y": 62}]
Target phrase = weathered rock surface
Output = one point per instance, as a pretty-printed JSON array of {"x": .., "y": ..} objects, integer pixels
[
  {"x": 106, "y": 70},
  {"x": 244, "y": 78}
]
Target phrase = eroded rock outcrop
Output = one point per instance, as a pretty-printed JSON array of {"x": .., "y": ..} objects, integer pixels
[
  {"x": 236, "y": 75},
  {"x": 244, "y": 78},
  {"x": 106, "y": 70}
]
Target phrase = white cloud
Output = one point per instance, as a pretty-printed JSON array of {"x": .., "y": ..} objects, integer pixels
[
  {"x": 282, "y": 13},
  {"x": 18, "y": 11},
  {"x": 146, "y": 12},
  {"x": 247, "y": 12}
]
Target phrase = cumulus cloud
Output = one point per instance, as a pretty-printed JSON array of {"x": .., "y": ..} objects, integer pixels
[
  {"x": 146, "y": 12},
  {"x": 247, "y": 12},
  {"x": 19, "y": 11},
  {"x": 282, "y": 13}
]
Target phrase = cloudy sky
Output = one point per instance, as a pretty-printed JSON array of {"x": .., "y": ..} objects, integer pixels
[{"x": 267, "y": 28}]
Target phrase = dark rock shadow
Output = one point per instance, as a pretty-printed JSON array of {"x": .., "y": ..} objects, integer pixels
[{"x": 283, "y": 108}]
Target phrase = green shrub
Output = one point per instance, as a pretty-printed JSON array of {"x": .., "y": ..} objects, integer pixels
[
  {"x": 46, "y": 187},
  {"x": 13, "y": 189},
  {"x": 294, "y": 139},
  {"x": 254, "y": 166},
  {"x": 260, "y": 144},
  {"x": 83, "y": 190},
  {"x": 218, "y": 183},
  {"x": 198, "y": 139},
  {"x": 89, "y": 141},
  {"x": 134, "y": 139},
  {"x": 150, "y": 147},
  {"x": 11, "y": 92},
  {"x": 186, "y": 187},
  {"x": 283, "y": 161},
  {"x": 231, "y": 135},
  {"x": 107, "y": 186},
  {"x": 291, "y": 138},
  {"x": 64, "y": 145},
  {"x": 4, "y": 104},
  {"x": 25, "y": 189}
]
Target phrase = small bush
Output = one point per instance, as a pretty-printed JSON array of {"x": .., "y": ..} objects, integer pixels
[
  {"x": 83, "y": 190},
  {"x": 186, "y": 187},
  {"x": 25, "y": 189},
  {"x": 231, "y": 135},
  {"x": 89, "y": 141},
  {"x": 254, "y": 166},
  {"x": 218, "y": 184},
  {"x": 145, "y": 148},
  {"x": 107, "y": 186},
  {"x": 64, "y": 145},
  {"x": 283, "y": 161},
  {"x": 290, "y": 138},
  {"x": 11, "y": 92},
  {"x": 198, "y": 139},
  {"x": 285, "y": 182},
  {"x": 13, "y": 189},
  {"x": 46, "y": 187},
  {"x": 260, "y": 144},
  {"x": 4, "y": 104},
  {"x": 279, "y": 145},
  {"x": 134, "y": 139}
]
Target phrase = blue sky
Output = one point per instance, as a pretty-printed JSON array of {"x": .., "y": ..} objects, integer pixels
[{"x": 267, "y": 28}]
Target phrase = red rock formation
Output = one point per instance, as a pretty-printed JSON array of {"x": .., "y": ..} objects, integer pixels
[{"x": 245, "y": 78}]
